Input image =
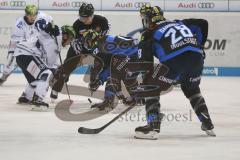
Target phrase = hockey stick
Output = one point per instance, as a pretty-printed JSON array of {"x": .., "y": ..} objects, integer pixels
[
  {"x": 60, "y": 58},
  {"x": 84, "y": 130}
]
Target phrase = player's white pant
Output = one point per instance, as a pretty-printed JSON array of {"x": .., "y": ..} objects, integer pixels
[
  {"x": 29, "y": 91},
  {"x": 52, "y": 56},
  {"x": 39, "y": 87},
  {"x": 42, "y": 84},
  {"x": 37, "y": 74}
]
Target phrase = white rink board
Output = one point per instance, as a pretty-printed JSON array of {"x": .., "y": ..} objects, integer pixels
[
  {"x": 129, "y": 5},
  {"x": 224, "y": 31},
  {"x": 196, "y": 5},
  {"x": 66, "y": 4}
]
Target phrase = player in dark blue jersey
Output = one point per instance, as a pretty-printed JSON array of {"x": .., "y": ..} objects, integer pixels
[
  {"x": 179, "y": 49},
  {"x": 104, "y": 48},
  {"x": 199, "y": 28}
]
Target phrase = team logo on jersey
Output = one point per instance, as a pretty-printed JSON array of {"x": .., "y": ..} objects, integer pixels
[
  {"x": 96, "y": 51},
  {"x": 17, "y": 3},
  {"x": 110, "y": 46},
  {"x": 19, "y": 25},
  {"x": 42, "y": 66}
]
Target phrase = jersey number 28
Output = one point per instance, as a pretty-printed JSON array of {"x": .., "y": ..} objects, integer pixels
[{"x": 182, "y": 29}]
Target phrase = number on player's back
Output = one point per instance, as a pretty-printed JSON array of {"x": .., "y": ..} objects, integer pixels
[{"x": 177, "y": 33}]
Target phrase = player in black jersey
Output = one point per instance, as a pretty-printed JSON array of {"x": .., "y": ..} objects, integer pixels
[
  {"x": 87, "y": 20},
  {"x": 178, "y": 46}
]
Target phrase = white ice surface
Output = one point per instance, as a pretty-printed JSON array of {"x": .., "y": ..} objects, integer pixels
[{"x": 28, "y": 135}]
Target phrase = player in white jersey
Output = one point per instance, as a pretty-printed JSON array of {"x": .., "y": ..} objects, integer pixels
[
  {"x": 25, "y": 28},
  {"x": 29, "y": 57}
]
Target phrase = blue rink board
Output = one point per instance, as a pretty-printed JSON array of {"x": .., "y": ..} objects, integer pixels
[{"x": 208, "y": 71}]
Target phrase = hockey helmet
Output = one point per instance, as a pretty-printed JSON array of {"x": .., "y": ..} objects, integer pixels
[
  {"x": 31, "y": 10},
  {"x": 69, "y": 30},
  {"x": 90, "y": 39},
  {"x": 151, "y": 16},
  {"x": 86, "y": 10},
  {"x": 145, "y": 8}
]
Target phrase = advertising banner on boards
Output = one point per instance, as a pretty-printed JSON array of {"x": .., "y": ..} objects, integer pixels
[
  {"x": 16, "y": 4},
  {"x": 222, "y": 46},
  {"x": 67, "y": 4},
  {"x": 129, "y": 5},
  {"x": 196, "y": 5}
]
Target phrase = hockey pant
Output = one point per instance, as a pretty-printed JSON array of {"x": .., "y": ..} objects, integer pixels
[{"x": 37, "y": 74}]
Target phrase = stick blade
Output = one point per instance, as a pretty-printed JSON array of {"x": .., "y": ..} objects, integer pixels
[{"x": 83, "y": 130}]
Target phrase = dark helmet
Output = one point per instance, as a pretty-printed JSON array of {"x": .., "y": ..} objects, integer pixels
[
  {"x": 66, "y": 29},
  {"x": 90, "y": 39},
  {"x": 145, "y": 8},
  {"x": 157, "y": 14},
  {"x": 151, "y": 16},
  {"x": 86, "y": 10}
]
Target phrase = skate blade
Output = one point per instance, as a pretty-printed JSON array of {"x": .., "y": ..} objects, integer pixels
[
  {"x": 39, "y": 108},
  {"x": 24, "y": 104},
  {"x": 1, "y": 82},
  {"x": 152, "y": 135},
  {"x": 210, "y": 133}
]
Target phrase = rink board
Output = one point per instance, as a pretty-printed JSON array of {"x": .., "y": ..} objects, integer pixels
[
  {"x": 128, "y": 5},
  {"x": 207, "y": 71},
  {"x": 222, "y": 47}
]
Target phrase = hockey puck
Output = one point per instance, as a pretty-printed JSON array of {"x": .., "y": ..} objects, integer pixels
[{"x": 89, "y": 100}]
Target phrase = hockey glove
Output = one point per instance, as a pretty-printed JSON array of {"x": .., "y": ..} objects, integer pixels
[
  {"x": 52, "y": 29},
  {"x": 93, "y": 86}
]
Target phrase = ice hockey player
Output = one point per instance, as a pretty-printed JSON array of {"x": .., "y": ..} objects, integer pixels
[
  {"x": 177, "y": 49},
  {"x": 29, "y": 57},
  {"x": 104, "y": 48},
  {"x": 87, "y": 20},
  {"x": 23, "y": 29}
]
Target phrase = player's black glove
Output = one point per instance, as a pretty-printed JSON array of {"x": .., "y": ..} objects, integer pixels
[
  {"x": 52, "y": 29},
  {"x": 93, "y": 86}
]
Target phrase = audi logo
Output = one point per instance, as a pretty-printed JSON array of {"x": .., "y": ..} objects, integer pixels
[
  {"x": 208, "y": 5},
  {"x": 77, "y": 4},
  {"x": 140, "y": 4},
  {"x": 17, "y": 3}
]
